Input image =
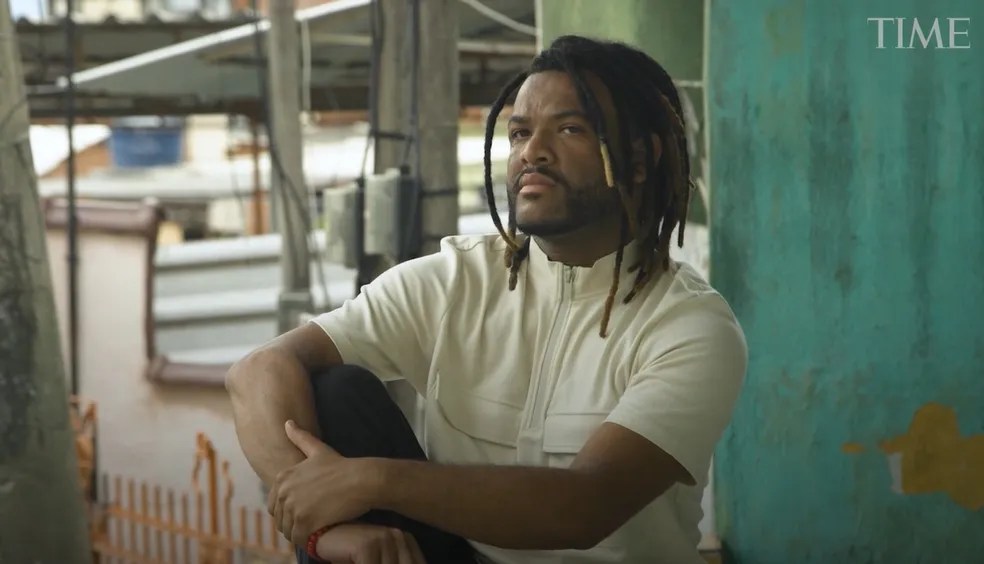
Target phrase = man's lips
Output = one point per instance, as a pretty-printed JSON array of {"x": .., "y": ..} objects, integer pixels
[{"x": 535, "y": 183}]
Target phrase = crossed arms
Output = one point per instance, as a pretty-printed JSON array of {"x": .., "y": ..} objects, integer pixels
[{"x": 616, "y": 473}]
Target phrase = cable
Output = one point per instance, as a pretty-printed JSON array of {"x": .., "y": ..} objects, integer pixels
[
  {"x": 73, "y": 223},
  {"x": 42, "y": 52},
  {"x": 376, "y": 35},
  {"x": 10, "y": 113},
  {"x": 73, "y": 228},
  {"x": 305, "y": 67},
  {"x": 414, "y": 223},
  {"x": 412, "y": 36},
  {"x": 43, "y": 89},
  {"x": 501, "y": 18}
]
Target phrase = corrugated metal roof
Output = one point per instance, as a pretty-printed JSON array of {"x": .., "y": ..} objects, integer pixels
[
  {"x": 154, "y": 17},
  {"x": 42, "y": 42},
  {"x": 217, "y": 73}
]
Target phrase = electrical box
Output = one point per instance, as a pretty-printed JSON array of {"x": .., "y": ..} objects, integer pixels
[
  {"x": 382, "y": 200},
  {"x": 341, "y": 225},
  {"x": 390, "y": 214}
]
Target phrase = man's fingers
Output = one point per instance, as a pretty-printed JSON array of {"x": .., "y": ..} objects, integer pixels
[
  {"x": 390, "y": 549},
  {"x": 409, "y": 550},
  {"x": 306, "y": 442},
  {"x": 368, "y": 553},
  {"x": 298, "y": 534},
  {"x": 403, "y": 546},
  {"x": 283, "y": 519},
  {"x": 272, "y": 498},
  {"x": 416, "y": 555}
]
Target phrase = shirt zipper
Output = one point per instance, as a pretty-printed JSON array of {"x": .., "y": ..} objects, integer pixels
[{"x": 566, "y": 279}]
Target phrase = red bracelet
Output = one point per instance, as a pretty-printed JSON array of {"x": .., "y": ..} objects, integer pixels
[{"x": 312, "y": 544}]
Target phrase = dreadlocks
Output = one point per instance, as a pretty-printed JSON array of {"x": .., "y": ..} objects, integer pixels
[{"x": 647, "y": 104}]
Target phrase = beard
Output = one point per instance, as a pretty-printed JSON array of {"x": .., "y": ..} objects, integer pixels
[{"x": 583, "y": 204}]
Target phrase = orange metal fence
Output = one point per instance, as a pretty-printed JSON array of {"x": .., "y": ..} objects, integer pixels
[{"x": 136, "y": 522}]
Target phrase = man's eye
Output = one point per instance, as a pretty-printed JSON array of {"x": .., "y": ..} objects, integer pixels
[
  {"x": 517, "y": 134},
  {"x": 572, "y": 129}
]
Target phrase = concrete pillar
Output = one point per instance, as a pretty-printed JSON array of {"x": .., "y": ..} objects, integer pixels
[
  {"x": 671, "y": 31},
  {"x": 847, "y": 216}
]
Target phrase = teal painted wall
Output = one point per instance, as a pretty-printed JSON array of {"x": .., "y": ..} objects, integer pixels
[{"x": 847, "y": 233}]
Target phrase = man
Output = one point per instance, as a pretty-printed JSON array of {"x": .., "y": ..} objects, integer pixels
[{"x": 573, "y": 395}]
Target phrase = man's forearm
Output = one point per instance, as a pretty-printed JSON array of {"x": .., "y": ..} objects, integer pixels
[
  {"x": 505, "y": 506},
  {"x": 267, "y": 388}
]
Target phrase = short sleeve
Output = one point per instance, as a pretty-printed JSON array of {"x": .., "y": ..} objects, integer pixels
[
  {"x": 391, "y": 326},
  {"x": 690, "y": 373}
]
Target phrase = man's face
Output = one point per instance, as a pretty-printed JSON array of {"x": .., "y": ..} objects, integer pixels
[{"x": 556, "y": 175}]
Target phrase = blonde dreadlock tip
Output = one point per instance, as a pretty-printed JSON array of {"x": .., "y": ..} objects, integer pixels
[{"x": 606, "y": 160}]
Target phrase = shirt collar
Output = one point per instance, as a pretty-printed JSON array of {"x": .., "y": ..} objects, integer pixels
[{"x": 585, "y": 280}]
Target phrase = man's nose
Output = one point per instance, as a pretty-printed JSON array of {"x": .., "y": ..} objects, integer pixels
[{"x": 537, "y": 151}]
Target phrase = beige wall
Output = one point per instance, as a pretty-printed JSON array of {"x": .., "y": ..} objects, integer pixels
[
  {"x": 206, "y": 139},
  {"x": 146, "y": 431}
]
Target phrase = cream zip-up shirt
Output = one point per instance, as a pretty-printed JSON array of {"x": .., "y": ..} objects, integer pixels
[{"x": 523, "y": 377}]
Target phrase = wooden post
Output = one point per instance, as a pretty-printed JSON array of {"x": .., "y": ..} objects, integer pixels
[{"x": 40, "y": 498}]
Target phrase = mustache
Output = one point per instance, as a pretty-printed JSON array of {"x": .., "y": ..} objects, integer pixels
[{"x": 552, "y": 175}]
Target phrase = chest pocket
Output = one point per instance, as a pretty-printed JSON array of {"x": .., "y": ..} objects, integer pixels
[
  {"x": 466, "y": 428},
  {"x": 484, "y": 419},
  {"x": 566, "y": 433}
]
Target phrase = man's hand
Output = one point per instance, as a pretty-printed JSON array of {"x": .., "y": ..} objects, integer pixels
[
  {"x": 355, "y": 543},
  {"x": 323, "y": 490}
]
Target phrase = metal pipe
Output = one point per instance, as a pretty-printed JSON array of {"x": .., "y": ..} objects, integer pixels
[{"x": 73, "y": 243}]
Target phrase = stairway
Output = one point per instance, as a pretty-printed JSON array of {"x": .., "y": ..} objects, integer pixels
[{"x": 216, "y": 300}]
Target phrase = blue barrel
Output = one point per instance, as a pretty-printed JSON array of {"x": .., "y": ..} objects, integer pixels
[{"x": 146, "y": 141}]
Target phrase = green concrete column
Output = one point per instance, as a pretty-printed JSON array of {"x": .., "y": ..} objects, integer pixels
[
  {"x": 848, "y": 210},
  {"x": 671, "y": 31}
]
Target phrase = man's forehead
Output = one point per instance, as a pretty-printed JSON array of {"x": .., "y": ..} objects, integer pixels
[
  {"x": 548, "y": 87},
  {"x": 555, "y": 91}
]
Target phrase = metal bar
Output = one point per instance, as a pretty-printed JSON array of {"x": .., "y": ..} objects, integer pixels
[
  {"x": 73, "y": 273},
  {"x": 131, "y": 507},
  {"x": 118, "y": 502},
  {"x": 172, "y": 537},
  {"x": 144, "y": 527},
  {"x": 159, "y": 531},
  {"x": 184, "y": 524}
]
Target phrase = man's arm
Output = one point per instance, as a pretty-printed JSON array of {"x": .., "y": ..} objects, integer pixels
[
  {"x": 663, "y": 431},
  {"x": 386, "y": 328},
  {"x": 271, "y": 385},
  {"x": 615, "y": 475}
]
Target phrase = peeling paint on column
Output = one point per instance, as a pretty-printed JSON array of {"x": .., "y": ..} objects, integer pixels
[
  {"x": 933, "y": 457},
  {"x": 852, "y": 448}
]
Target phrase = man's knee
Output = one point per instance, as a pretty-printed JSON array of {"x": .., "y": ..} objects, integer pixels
[
  {"x": 357, "y": 417},
  {"x": 342, "y": 385}
]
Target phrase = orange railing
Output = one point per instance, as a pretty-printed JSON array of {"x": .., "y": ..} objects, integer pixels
[{"x": 135, "y": 522}]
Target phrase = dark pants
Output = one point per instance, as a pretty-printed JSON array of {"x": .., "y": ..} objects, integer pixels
[{"x": 358, "y": 418}]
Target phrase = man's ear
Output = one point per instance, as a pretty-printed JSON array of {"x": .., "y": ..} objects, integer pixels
[{"x": 639, "y": 158}]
